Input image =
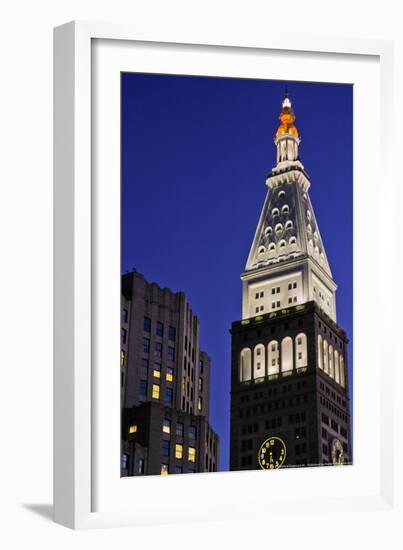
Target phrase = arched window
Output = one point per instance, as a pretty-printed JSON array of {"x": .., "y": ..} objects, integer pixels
[
  {"x": 281, "y": 194},
  {"x": 320, "y": 352},
  {"x": 272, "y": 247},
  {"x": 268, "y": 231},
  {"x": 309, "y": 228},
  {"x": 331, "y": 366},
  {"x": 310, "y": 244},
  {"x": 315, "y": 236},
  {"x": 336, "y": 366},
  {"x": 292, "y": 241},
  {"x": 286, "y": 354},
  {"x": 261, "y": 250},
  {"x": 285, "y": 209},
  {"x": 342, "y": 374},
  {"x": 275, "y": 212},
  {"x": 308, "y": 214},
  {"x": 325, "y": 357},
  {"x": 282, "y": 244},
  {"x": 289, "y": 224},
  {"x": 278, "y": 228},
  {"x": 273, "y": 358},
  {"x": 259, "y": 361},
  {"x": 245, "y": 367},
  {"x": 301, "y": 353}
]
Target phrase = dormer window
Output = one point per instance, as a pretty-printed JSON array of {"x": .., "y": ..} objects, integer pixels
[
  {"x": 275, "y": 212},
  {"x": 289, "y": 224},
  {"x": 282, "y": 244},
  {"x": 261, "y": 250},
  {"x": 278, "y": 228},
  {"x": 268, "y": 231},
  {"x": 293, "y": 241},
  {"x": 281, "y": 194},
  {"x": 285, "y": 209},
  {"x": 272, "y": 247}
]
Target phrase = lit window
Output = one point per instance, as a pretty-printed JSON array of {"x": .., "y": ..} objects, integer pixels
[
  {"x": 166, "y": 426},
  {"x": 147, "y": 324},
  {"x": 172, "y": 334},
  {"x": 192, "y": 454},
  {"x": 178, "y": 451},
  {"x": 164, "y": 469},
  {"x": 157, "y": 370},
  {"x": 199, "y": 404},
  {"x": 170, "y": 374},
  {"x": 133, "y": 429},
  {"x": 122, "y": 358},
  {"x": 171, "y": 353},
  {"x": 156, "y": 391}
]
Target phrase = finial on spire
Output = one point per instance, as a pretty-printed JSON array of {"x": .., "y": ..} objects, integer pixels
[
  {"x": 287, "y": 117},
  {"x": 286, "y": 101}
]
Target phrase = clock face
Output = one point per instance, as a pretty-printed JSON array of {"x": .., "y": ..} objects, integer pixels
[
  {"x": 337, "y": 452},
  {"x": 272, "y": 453}
]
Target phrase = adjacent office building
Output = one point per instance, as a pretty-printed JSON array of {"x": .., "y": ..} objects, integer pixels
[{"x": 165, "y": 384}]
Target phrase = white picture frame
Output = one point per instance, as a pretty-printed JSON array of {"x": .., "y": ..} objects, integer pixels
[{"x": 88, "y": 491}]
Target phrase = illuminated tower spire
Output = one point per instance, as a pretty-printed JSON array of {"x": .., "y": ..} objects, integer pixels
[{"x": 287, "y": 245}]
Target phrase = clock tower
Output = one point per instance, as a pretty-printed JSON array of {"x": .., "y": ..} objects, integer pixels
[{"x": 289, "y": 381}]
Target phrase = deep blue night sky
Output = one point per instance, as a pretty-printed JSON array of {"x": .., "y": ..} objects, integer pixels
[{"x": 195, "y": 154}]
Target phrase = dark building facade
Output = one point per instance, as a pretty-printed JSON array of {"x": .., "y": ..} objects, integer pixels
[
  {"x": 165, "y": 384},
  {"x": 289, "y": 382}
]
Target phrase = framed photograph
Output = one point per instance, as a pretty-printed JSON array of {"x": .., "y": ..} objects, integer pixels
[{"x": 219, "y": 252}]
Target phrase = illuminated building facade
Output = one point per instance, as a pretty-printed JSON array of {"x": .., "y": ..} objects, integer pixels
[
  {"x": 289, "y": 378},
  {"x": 165, "y": 384}
]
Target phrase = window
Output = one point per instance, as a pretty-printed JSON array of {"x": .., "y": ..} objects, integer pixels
[
  {"x": 199, "y": 403},
  {"x": 178, "y": 469},
  {"x": 282, "y": 243},
  {"x": 325, "y": 449},
  {"x": 171, "y": 353},
  {"x": 192, "y": 454},
  {"x": 157, "y": 370},
  {"x": 159, "y": 329},
  {"x": 156, "y": 391},
  {"x": 124, "y": 335},
  {"x": 165, "y": 447},
  {"x": 125, "y": 315},
  {"x": 292, "y": 241},
  {"x": 144, "y": 364},
  {"x": 201, "y": 366},
  {"x": 281, "y": 194},
  {"x": 256, "y": 295},
  {"x": 172, "y": 334},
  {"x": 261, "y": 294},
  {"x": 141, "y": 466},
  {"x": 278, "y": 304},
  {"x": 289, "y": 224},
  {"x": 158, "y": 349},
  {"x": 146, "y": 345},
  {"x": 133, "y": 428},
  {"x": 164, "y": 469},
  {"x": 273, "y": 290},
  {"x": 275, "y": 212},
  {"x": 278, "y": 290},
  {"x": 147, "y": 324},
  {"x": 200, "y": 384},
  {"x": 272, "y": 247},
  {"x": 285, "y": 209},
  {"x": 143, "y": 387},
  {"x": 179, "y": 451},
  {"x": 166, "y": 426},
  {"x": 122, "y": 358},
  {"x": 261, "y": 250},
  {"x": 170, "y": 374},
  {"x": 278, "y": 228},
  {"x": 168, "y": 395},
  {"x": 192, "y": 432},
  {"x": 179, "y": 429},
  {"x": 268, "y": 231}
]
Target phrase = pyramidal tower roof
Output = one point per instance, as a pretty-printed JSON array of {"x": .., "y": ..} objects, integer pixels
[
  {"x": 287, "y": 228},
  {"x": 287, "y": 264}
]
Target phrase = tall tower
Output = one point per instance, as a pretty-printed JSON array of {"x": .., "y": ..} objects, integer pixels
[{"x": 289, "y": 383}]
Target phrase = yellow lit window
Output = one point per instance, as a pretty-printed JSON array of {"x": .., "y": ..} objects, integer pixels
[
  {"x": 157, "y": 373},
  {"x": 132, "y": 428},
  {"x": 166, "y": 427},
  {"x": 169, "y": 375},
  {"x": 199, "y": 404},
  {"x": 156, "y": 391},
  {"x": 192, "y": 454},
  {"x": 178, "y": 450},
  {"x": 164, "y": 469},
  {"x": 122, "y": 358}
]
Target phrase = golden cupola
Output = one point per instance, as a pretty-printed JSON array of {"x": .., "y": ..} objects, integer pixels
[
  {"x": 287, "y": 138},
  {"x": 287, "y": 118}
]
